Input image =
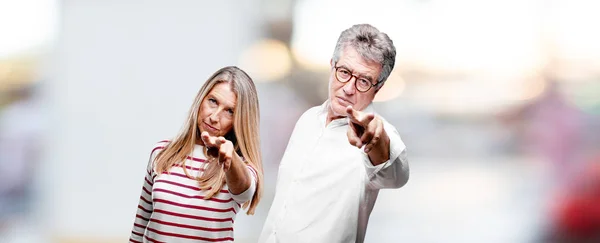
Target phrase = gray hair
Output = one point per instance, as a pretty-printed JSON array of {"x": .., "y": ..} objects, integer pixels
[{"x": 372, "y": 45}]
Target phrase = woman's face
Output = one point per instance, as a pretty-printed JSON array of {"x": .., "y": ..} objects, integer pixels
[{"x": 216, "y": 110}]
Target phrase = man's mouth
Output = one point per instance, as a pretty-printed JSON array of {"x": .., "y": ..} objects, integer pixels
[{"x": 344, "y": 101}]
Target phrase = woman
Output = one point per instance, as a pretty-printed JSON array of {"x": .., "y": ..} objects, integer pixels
[{"x": 196, "y": 183}]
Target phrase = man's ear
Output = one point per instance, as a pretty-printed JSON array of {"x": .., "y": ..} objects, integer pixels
[{"x": 331, "y": 62}]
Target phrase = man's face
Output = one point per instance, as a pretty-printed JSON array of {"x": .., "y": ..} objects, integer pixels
[{"x": 341, "y": 94}]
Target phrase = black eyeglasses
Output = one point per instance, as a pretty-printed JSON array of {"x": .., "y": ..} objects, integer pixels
[{"x": 344, "y": 75}]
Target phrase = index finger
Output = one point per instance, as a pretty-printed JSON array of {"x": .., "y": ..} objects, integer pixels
[
  {"x": 209, "y": 141},
  {"x": 219, "y": 141},
  {"x": 358, "y": 116}
]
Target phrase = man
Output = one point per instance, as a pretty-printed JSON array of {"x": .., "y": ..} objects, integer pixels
[{"x": 340, "y": 153}]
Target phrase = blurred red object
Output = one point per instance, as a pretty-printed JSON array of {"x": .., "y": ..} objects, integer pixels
[{"x": 577, "y": 215}]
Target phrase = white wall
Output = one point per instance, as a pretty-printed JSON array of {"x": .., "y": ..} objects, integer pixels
[{"x": 123, "y": 76}]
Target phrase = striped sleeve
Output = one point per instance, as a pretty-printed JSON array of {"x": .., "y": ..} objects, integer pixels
[
  {"x": 145, "y": 207},
  {"x": 249, "y": 193}
]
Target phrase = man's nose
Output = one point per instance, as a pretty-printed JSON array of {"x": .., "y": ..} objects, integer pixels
[{"x": 349, "y": 86}]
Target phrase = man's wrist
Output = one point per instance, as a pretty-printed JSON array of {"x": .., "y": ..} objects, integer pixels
[{"x": 381, "y": 152}]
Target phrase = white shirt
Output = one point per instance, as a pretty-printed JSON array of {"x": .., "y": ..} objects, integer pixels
[{"x": 326, "y": 188}]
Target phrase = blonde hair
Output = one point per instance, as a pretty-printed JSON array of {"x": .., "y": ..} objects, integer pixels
[{"x": 244, "y": 135}]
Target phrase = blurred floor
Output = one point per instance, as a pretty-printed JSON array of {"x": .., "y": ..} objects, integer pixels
[{"x": 448, "y": 200}]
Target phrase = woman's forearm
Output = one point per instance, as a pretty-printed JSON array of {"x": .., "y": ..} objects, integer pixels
[{"x": 237, "y": 177}]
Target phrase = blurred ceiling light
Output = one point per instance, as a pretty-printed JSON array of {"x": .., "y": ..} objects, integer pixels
[
  {"x": 318, "y": 24},
  {"x": 469, "y": 37},
  {"x": 439, "y": 36},
  {"x": 266, "y": 60},
  {"x": 577, "y": 36},
  {"x": 26, "y": 25},
  {"x": 393, "y": 88},
  {"x": 16, "y": 72}
]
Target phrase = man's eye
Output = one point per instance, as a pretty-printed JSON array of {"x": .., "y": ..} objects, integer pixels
[{"x": 365, "y": 82}]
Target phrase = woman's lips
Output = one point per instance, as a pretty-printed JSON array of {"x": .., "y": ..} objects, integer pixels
[{"x": 211, "y": 128}]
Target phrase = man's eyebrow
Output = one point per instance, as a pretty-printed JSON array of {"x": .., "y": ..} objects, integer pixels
[{"x": 359, "y": 74}]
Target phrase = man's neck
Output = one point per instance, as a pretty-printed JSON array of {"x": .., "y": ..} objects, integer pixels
[{"x": 331, "y": 117}]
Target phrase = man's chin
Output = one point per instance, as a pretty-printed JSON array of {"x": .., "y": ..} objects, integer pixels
[{"x": 338, "y": 110}]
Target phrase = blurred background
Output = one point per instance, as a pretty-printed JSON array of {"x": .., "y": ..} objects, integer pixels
[{"x": 498, "y": 102}]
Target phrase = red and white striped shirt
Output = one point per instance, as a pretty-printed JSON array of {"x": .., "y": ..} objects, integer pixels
[{"x": 172, "y": 207}]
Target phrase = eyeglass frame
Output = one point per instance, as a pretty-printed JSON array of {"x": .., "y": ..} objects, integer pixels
[{"x": 355, "y": 79}]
